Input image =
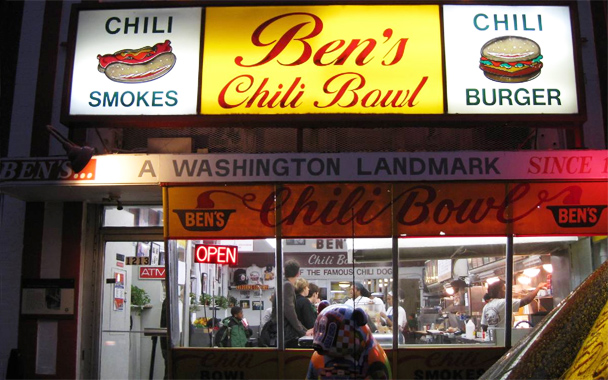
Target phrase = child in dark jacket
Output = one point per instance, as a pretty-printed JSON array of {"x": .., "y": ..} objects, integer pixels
[{"x": 239, "y": 334}]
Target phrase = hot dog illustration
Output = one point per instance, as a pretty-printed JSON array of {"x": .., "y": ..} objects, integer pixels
[{"x": 138, "y": 65}]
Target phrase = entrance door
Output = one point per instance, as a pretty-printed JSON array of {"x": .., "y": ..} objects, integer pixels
[{"x": 126, "y": 351}]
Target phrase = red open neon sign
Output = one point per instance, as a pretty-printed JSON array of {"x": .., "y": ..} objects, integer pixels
[{"x": 216, "y": 254}]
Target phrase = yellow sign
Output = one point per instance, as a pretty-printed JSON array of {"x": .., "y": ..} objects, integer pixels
[
  {"x": 322, "y": 60},
  {"x": 592, "y": 359}
]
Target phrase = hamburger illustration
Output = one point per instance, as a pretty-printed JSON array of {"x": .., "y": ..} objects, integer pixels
[{"x": 511, "y": 59}]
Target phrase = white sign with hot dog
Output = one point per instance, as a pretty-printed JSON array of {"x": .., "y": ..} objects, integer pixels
[
  {"x": 509, "y": 59},
  {"x": 136, "y": 62}
]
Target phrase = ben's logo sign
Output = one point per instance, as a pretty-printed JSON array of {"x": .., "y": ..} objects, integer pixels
[
  {"x": 45, "y": 170},
  {"x": 577, "y": 216},
  {"x": 205, "y": 217}
]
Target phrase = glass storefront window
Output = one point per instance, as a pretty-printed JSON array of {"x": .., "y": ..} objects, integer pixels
[
  {"x": 439, "y": 293},
  {"x": 441, "y": 285},
  {"x": 327, "y": 265},
  {"x": 132, "y": 216},
  {"x": 455, "y": 274},
  {"x": 352, "y": 271},
  {"x": 212, "y": 295}
]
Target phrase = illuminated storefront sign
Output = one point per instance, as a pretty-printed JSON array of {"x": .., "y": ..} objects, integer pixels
[
  {"x": 410, "y": 209},
  {"x": 154, "y": 169},
  {"x": 324, "y": 59},
  {"x": 216, "y": 254},
  {"x": 506, "y": 59},
  {"x": 320, "y": 59},
  {"x": 381, "y": 166},
  {"x": 136, "y": 62}
]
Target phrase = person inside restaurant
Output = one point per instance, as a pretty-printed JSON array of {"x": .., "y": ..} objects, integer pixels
[
  {"x": 305, "y": 309},
  {"x": 293, "y": 327},
  {"x": 359, "y": 296},
  {"x": 493, "y": 314},
  {"x": 387, "y": 318}
]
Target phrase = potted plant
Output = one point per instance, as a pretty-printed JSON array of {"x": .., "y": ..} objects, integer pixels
[
  {"x": 139, "y": 298},
  {"x": 205, "y": 299},
  {"x": 221, "y": 302},
  {"x": 193, "y": 303}
]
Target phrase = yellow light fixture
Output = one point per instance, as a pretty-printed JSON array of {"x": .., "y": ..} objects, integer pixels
[{"x": 344, "y": 285}]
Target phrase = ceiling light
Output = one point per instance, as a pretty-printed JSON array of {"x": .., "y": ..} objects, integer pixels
[
  {"x": 532, "y": 272},
  {"x": 344, "y": 285},
  {"x": 524, "y": 280},
  {"x": 548, "y": 268},
  {"x": 466, "y": 241},
  {"x": 492, "y": 280},
  {"x": 411, "y": 242}
]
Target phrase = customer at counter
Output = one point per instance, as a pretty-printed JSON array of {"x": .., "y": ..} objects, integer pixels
[
  {"x": 306, "y": 313},
  {"x": 493, "y": 314},
  {"x": 293, "y": 328}
]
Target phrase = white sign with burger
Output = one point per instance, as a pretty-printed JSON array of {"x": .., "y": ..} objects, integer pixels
[
  {"x": 136, "y": 62},
  {"x": 509, "y": 59}
]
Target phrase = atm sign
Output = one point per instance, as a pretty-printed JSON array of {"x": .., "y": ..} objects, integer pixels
[
  {"x": 152, "y": 273},
  {"x": 216, "y": 254}
]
